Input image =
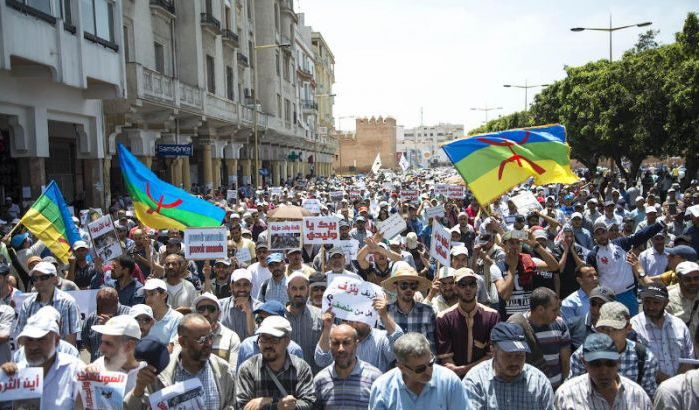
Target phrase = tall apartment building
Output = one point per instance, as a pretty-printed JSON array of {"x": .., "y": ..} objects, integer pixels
[
  {"x": 325, "y": 78},
  {"x": 421, "y": 145}
]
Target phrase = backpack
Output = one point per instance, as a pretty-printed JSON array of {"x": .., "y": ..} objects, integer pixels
[{"x": 641, "y": 362}]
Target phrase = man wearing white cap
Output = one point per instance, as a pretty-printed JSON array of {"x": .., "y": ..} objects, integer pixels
[
  {"x": 84, "y": 273},
  {"x": 63, "y": 346},
  {"x": 237, "y": 310},
  {"x": 442, "y": 295},
  {"x": 45, "y": 280},
  {"x": 40, "y": 337},
  {"x": 166, "y": 319},
  {"x": 305, "y": 319},
  {"x": 221, "y": 284},
  {"x": 459, "y": 259},
  {"x": 226, "y": 342},
  {"x": 655, "y": 258},
  {"x": 144, "y": 317}
]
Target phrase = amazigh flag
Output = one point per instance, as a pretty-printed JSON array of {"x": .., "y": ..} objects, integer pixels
[
  {"x": 493, "y": 163},
  {"x": 160, "y": 205},
  {"x": 50, "y": 221},
  {"x": 376, "y": 166}
]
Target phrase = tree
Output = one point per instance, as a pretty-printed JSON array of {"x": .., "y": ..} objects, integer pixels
[{"x": 646, "y": 41}]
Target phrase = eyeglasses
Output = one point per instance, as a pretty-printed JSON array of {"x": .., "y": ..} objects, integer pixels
[
  {"x": 204, "y": 339},
  {"x": 605, "y": 363},
  {"x": 405, "y": 285},
  {"x": 469, "y": 284},
  {"x": 206, "y": 308},
  {"x": 266, "y": 339},
  {"x": 41, "y": 278},
  {"x": 143, "y": 319},
  {"x": 421, "y": 369}
]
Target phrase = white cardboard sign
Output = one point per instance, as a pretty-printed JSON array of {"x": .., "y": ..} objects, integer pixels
[
  {"x": 320, "y": 230},
  {"x": 392, "y": 226},
  {"x": 352, "y": 299},
  {"x": 205, "y": 243},
  {"x": 440, "y": 244}
]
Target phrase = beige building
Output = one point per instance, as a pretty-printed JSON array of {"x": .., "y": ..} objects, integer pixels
[
  {"x": 325, "y": 78},
  {"x": 372, "y": 136},
  {"x": 421, "y": 145}
]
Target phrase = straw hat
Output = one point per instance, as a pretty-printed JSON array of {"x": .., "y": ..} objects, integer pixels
[{"x": 407, "y": 273}]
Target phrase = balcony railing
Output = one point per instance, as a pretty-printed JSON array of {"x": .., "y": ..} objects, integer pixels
[
  {"x": 243, "y": 59},
  {"x": 207, "y": 19},
  {"x": 167, "y": 5},
  {"x": 229, "y": 35},
  {"x": 310, "y": 105}
]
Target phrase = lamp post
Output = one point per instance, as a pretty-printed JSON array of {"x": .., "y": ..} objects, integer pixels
[
  {"x": 610, "y": 30},
  {"x": 254, "y": 113},
  {"x": 486, "y": 109},
  {"x": 526, "y": 88}
]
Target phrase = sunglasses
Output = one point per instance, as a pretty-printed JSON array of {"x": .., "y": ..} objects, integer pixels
[
  {"x": 605, "y": 363},
  {"x": 405, "y": 285},
  {"x": 206, "y": 308},
  {"x": 204, "y": 339},
  {"x": 469, "y": 284},
  {"x": 41, "y": 278},
  {"x": 421, "y": 369}
]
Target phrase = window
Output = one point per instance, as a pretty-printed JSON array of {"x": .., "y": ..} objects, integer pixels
[
  {"x": 279, "y": 106},
  {"x": 159, "y": 57},
  {"x": 227, "y": 20},
  {"x": 41, "y": 5},
  {"x": 208, "y": 7},
  {"x": 66, "y": 13},
  {"x": 229, "y": 83},
  {"x": 127, "y": 46},
  {"x": 250, "y": 54},
  {"x": 287, "y": 110},
  {"x": 249, "y": 8},
  {"x": 277, "y": 63},
  {"x": 276, "y": 18},
  {"x": 286, "y": 67},
  {"x": 295, "y": 116},
  {"x": 210, "y": 74},
  {"x": 98, "y": 18}
]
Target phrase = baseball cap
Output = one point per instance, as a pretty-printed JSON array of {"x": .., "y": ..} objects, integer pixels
[
  {"x": 656, "y": 290},
  {"x": 152, "y": 352},
  {"x": 207, "y": 296},
  {"x": 458, "y": 250},
  {"x": 226, "y": 262},
  {"x": 446, "y": 272},
  {"x": 45, "y": 268},
  {"x": 275, "y": 257},
  {"x": 290, "y": 251},
  {"x": 261, "y": 244},
  {"x": 519, "y": 218},
  {"x": 650, "y": 209},
  {"x": 239, "y": 274},
  {"x": 122, "y": 325},
  {"x": 599, "y": 346},
  {"x": 686, "y": 267},
  {"x": 411, "y": 240},
  {"x": 38, "y": 326},
  {"x": 273, "y": 307},
  {"x": 276, "y": 326},
  {"x": 684, "y": 251},
  {"x": 18, "y": 240},
  {"x": 608, "y": 203},
  {"x": 360, "y": 218},
  {"x": 335, "y": 251},
  {"x": 509, "y": 337},
  {"x": 540, "y": 234},
  {"x": 33, "y": 259},
  {"x": 576, "y": 215},
  {"x": 463, "y": 273},
  {"x": 604, "y": 293},
  {"x": 141, "y": 309},
  {"x": 50, "y": 312},
  {"x": 154, "y": 283},
  {"x": 4, "y": 268},
  {"x": 599, "y": 225},
  {"x": 521, "y": 235},
  {"x": 317, "y": 279},
  {"x": 80, "y": 244},
  {"x": 614, "y": 315}
]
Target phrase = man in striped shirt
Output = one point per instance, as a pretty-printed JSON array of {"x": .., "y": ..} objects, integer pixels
[{"x": 346, "y": 383}]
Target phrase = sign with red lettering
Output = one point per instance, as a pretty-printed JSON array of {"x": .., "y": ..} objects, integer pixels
[
  {"x": 320, "y": 230},
  {"x": 441, "y": 189},
  {"x": 409, "y": 195},
  {"x": 105, "y": 242},
  {"x": 23, "y": 389},
  {"x": 206, "y": 243},
  {"x": 284, "y": 236},
  {"x": 103, "y": 390},
  {"x": 455, "y": 192},
  {"x": 355, "y": 194},
  {"x": 440, "y": 244}
]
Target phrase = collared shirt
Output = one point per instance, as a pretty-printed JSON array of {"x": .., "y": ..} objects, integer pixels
[
  {"x": 614, "y": 272},
  {"x": 60, "y": 383},
  {"x": 352, "y": 393},
  {"x": 91, "y": 339},
  {"x": 376, "y": 349},
  {"x": 182, "y": 294},
  {"x": 306, "y": 329},
  {"x": 226, "y": 345},
  {"x": 64, "y": 304},
  {"x": 87, "y": 276},
  {"x": 7, "y": 316},
  {"x": 466, "y": 344},
  {"x": 259, "y": 275},
  {"x": 580, "y": 329},
  {"x": 653, "y": 262},
  {"x": 530, "y": 390},
  {"x": 439, "y": 305},
  {"x": 234, "y": 318},
  {"x": 249, "y": 348},
  {"x": 273, "y": 290},
  {"x": 680, "y": 392},
  {"x": 420, "y": 319},
  {"x": 207, "y": 379},
  {"x": 628, "y": 366},
  {"x": 669, "y": 344},
  {"x": 684, "y": 308},
  {"x": 165, "y": 329},
  {"x": 575, "y": 305},
  {"x": 254, "y": 381},
  {"x": 443, "y": 391},
  {"x": 578, "y": 393}
]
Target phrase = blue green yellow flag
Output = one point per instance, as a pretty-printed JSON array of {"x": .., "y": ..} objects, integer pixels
[{"x": 493, "y": 163}]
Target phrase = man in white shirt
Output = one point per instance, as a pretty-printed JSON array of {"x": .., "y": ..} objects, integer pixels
[
  {"x": 654, "y": 259},
  {"x": 181, "y": 292},
  {"x": 259, "y": 270}
]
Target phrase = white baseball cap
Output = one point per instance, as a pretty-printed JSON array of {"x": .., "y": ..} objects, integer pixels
[
  {"x": 239, "y": 274},
  {"x": 152, "y": 284},
  {"x": 276, "y": 326},
  {"x": 141, "y": 309},
  {"x": 459, "y": 250},
  {"x": 686, "y": 267},
  {"x": 207, "y": 296},
  {"x": 38, "y": 326},
  {"x": 80, "y": 244},
  {"x": 46, "y": 268},
  {"x": 122, "y": 325},
  {"x": 294, "y": 275}
]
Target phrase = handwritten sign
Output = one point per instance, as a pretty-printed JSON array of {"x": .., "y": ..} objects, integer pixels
[
  {"x": 284, "y": 235},
  {"x": 243, "y": 255},
  {"x": 350, "y": 247},
  {"x": 435, "y": 211},
  {"x": 24, "y": 388},
  {"x": 352, "y": 299},
  {"x": 526, "y": 202},
  {"x": 441, "y": 189},
  {"x": 102, "y": 391},
  {"x": 231, "y": 196},
  {"x": 205, "y": 243},
  {"x": 312, "y": 205},
  {"x": 336, "y": 196},
  {"x": 104, "y": 238},
  {"x": 455, "y": 192},
  {"x": 440, "y": 243},
  {"x": 392, "y": 226},
  {"x": 275, "y": 190},
  {"x": 320, "y": 230},
  {"x": 188, "y": 395},
  {"x": 355, "y": 194},
  {"x": 409, "y": 195}
]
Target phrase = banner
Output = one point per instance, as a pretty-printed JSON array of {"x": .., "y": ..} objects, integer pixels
[
  {"x": 392, "y": 226},
  {"x": 102, "y": 391},
  {"x": 352, "y": 299},
  {"x": 434, "y": 212},
  {"x": 312, "y": 205},
  {"x": 440, "y": 245},
  {"x": 275, "y": 190},
  {"x": 455, "y": 192},
  {"x": 23, "y": 389},
  {"x": 526, "y": 202},
  {"x": 320, "y": 230},
  {"x": 336, "y": 196},
  {"x": 355, "y": 194},
  {"x": 105, "y": 241},
  {"x": 284, "y": 235},
  {"x": 441, "y": 189},
  {"x": 205, "y": 243},
  {"x": 232, "y": 196},
  {"x": 186, "y": 395},
  {"x": 409, "y": 195}
]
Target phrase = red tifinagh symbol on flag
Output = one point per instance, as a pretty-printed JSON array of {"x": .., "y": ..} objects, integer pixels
[
  {"x": 515, "y": 156},
  {"x": 160, "y": 201}
]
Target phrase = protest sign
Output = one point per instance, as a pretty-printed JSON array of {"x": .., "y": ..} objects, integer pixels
[
  {"x": 440, "y": 243},
  {"x": 350, "y": 248},
  {"x": 441, "y": 189},
  {"x": 336, "y": 196},
  {"x": 186, "y": 395},
  {"x": 205, "y": 243},
  {"x": 23, "y": 389},
  {"x": 352, "y": 299},
  {"x": 409, "y": 195},
  {"x": 232, "y": 196},
  {"x": 455, "y": 244},
  {"x": 275, "y": 190},
  {"x": 526, "y": 202},
  {"x": 320, "y": 230},
  {"x": 434, "y": 212},
  {"x": 243, "y": 255},
  {"x": 392, "y": 226},
  {"x": 284, "y": 235},
  {"x": 355, "y": 194},
  {"x": 102, "y": 391},
  {"x": 312, "y": 205},
  {"x": 455, "y": 192},
  {"x": 105, "y": 241}
]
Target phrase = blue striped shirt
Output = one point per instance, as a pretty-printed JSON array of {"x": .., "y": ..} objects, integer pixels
[
  {"x": 63, "y": 302},
  {"x": 376, "y": 349},
  {"x": 531, "y": 390},
  {"x": 351, "y": 393}
]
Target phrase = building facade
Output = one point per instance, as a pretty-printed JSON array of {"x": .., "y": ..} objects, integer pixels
[
  {"x": 357, "y": 151},
  {"x": 421, "y": 145}
]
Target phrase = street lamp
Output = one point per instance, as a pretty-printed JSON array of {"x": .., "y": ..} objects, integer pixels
[
  {"x": 486, "y": 109},
  {"x": 254, "y": 114},
  {"x": 611, "y": 30},
  {"x": 526, "y": 88}
]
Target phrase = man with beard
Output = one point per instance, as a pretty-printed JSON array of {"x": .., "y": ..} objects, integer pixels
[
  {"x": 181, "y": 292},
  {"x": 305, "y": 319},
  {"x": 108, "y": 306},
  {"x": 491, "y": 384},
  {"x": 346, "y": 383},
  {"x": 602, "y": 386},
  {"x": 337, "y": 263},
  {"x": 226, "y": 342},
  {"x": 274, "y": 378},
  {"x": 664, "y": 334},
  {"x": 124, "y": 282},
  {"x": 317, "y": 283},
  {"x": 443, "y": 288},
  {"x": 684, "y": 296},
  {"x": 295, "y": 258},
  {"x": 259, "y": 270},
  {"x": 463, "y": 330},
  {"x": 221, "y": 285},
  {"x": 417, "y": 382},
  {"x": 40, "y": 337},
  {"x": 274, "y": 288},
  {"x": 193, "y": 360},
  {"x": 85, "y": 274},
  {"x": 238, "y": 309}
]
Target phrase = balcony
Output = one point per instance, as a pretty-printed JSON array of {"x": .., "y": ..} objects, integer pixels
[
  {"x": 150, "y": 85},
  {"x": 304, "y": 73},
  {"x": 243, "y": 59},
  {"x": 309, "y": 105},
  {"x": 165, "y": 7},
  {"x": 230, "y": 37},
  {"x": 210, "y": 23},
  {"x": 247, "y": 115}
]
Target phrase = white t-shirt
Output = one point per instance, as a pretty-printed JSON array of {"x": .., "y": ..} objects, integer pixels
[{"x": 259, "y": 275}]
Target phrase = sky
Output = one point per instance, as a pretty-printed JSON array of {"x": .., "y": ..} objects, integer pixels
[{"x": 444, "y": 57}]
